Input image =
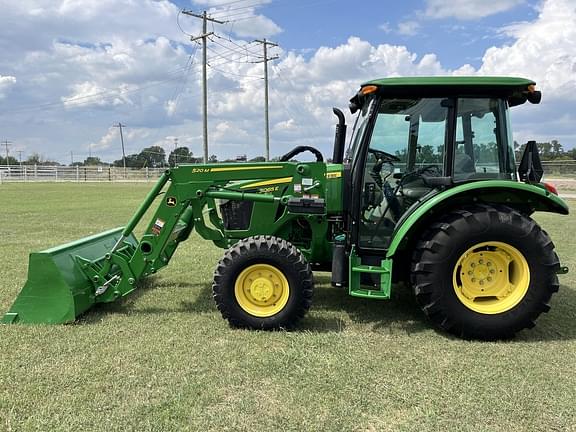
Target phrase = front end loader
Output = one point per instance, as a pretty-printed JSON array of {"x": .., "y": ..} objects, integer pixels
[{"x": 427, "y": 192}]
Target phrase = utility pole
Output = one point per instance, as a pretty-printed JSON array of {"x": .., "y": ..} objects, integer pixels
[
  {"x": 175, "y": 153},
  {"x": 204, "y": 17},
  {"x": 6, "y": 144},
  {"x": 71, "y": 158},
  {"x": 20, "y": 159},
  {"x": 266, "y": 59},
  {"x": 120, "y": 126}
]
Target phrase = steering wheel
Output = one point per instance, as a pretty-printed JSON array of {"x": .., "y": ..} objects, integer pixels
[
  {"x": 432, "y": 170},
  {"x": 386, "y": 157},
  {"x": 301, "y": 149},
  {"x": 422, "y": 172}
]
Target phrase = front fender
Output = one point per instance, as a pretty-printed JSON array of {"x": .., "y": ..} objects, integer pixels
[{"x": 527, "y": 198}]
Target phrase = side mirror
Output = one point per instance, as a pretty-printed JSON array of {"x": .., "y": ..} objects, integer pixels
[{"x": 535, "y": 97}]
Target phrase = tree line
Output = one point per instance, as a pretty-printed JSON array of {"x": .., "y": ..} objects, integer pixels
[
  {"x": 152, "y": 157},
  {"x": 155, "y": 156},
  {"x": 549, "y": 151}
]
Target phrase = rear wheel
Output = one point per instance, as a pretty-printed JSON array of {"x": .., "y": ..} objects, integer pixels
[
  {"x": 484, "y": 272},
  {"x": 263, "y": 282}
]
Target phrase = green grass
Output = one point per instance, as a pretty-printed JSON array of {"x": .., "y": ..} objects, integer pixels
[{"x": 163, "y": 359}]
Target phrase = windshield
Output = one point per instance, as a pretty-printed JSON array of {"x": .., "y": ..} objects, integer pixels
[
  {"x": 358, "y": 131},
  {"x": 413, "y": 130}
]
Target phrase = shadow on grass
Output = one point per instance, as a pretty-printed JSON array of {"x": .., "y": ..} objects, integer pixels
[
  {"x": 400, "y": 313},
  {"x": 122, "y": 305},
  {"x": 559, "y": 323}
]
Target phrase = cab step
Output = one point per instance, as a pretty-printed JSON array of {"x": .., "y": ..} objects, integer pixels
[{"x": 357, "y": 269}]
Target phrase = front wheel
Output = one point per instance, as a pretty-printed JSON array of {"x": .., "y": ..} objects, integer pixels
[
  {"x": 484, "y": 272},
  {"x": 263, "y": 282}
]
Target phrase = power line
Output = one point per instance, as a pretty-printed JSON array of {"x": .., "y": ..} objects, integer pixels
[
  {"x": 247, "y": 6},
  {"x": 240, "y": 57},
  {"x": 180, "y": 27},
  {"x": 106, "y": 94},
  {"x": 242, "y": 47},
  {"x": 176, "y": 96},
  {"x": 204, "y": 37},
  {"x": 290, "y": 5},
  {"x": 232, "y": 2},
  {"x": 226, "y": 16},
  {"x": 234, "y": 74},
  {"x": 288, "y": 97}
]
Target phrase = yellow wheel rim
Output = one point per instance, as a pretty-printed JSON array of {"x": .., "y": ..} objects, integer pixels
[
  {"x": 491, "y": 277},
  {"x": 262, "y": 290}
]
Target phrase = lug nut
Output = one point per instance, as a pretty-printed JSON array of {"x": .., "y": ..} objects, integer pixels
[
  {"x": 473, "y": 279},
  {"x": 489, "y": 279},
  {"x": 481, "y": 282},
  {"x": 481, "y": 261},
  {"x": 492, "y": 271},
  {"x": 470, "y": 273},
  {"x": 489, "y": 263}
]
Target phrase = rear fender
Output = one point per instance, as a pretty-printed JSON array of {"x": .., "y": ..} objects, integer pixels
[{"x": 527, "y": 198}]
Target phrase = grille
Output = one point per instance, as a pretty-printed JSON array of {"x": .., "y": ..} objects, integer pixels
[{"x": 236, "y": 215}]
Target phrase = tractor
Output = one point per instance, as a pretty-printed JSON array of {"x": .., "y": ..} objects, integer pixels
[{"x": 427, "y": 194}]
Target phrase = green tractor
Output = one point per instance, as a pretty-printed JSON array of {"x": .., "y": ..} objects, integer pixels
[{"x": 427, "y": 193}]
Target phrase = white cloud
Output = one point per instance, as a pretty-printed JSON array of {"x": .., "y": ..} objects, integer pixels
[
  {"x": 408, "y": 28},
  {"x": 543, "y": 50},
  {"x": 289, "y": 124},
  {"x": 257, "y": 26},
  {"x": 106, "y": 141},
  {"x": 242, "y": 19},
  {"x": 5, "y": 83},
  {"x": 385, "y": 27},
  {"x": 170, "y": 106},
  {"x": 88, "y": 93},
  {"x": 231, "y": 5},
  {"x": 468, "y": 9}
]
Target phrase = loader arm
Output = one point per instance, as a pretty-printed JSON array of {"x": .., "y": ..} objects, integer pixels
[
  {"x": 186, "y": 204},
  {"x": 65, "y": 281}
]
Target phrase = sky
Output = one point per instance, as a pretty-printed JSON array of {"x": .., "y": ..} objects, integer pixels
[{"x": 72, "y": 69}]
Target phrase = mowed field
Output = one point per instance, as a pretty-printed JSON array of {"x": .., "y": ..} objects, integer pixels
[{"x": 163, "y": 359}]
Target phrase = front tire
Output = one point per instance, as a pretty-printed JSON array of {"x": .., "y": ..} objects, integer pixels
[
  {"x": 263, "y": 282},
  {"x": 484, "y": 272}
]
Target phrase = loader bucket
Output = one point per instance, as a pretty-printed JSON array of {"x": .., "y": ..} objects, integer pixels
[{"x": 57, "y": 291}]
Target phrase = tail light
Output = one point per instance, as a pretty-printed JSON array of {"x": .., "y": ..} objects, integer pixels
[{"x": 551, "y": 188}]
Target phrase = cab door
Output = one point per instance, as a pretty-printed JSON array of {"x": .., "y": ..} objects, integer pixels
[{"x": 404, "y": 140}]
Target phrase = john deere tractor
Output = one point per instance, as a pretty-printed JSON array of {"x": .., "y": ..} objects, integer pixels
[{"x": 427, "y": 192}]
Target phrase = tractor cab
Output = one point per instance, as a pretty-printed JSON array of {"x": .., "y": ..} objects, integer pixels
[{"x": 415, "y": 137}]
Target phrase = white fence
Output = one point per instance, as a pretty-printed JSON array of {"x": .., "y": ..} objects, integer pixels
[{"x": 35, "y": 173}]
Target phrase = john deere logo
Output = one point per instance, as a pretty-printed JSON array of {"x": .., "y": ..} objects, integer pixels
[{"x": 171, "y": 201}]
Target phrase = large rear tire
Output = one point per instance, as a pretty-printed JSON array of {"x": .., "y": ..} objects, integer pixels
[
  {"x": 484, "y": 272},
  {"x": 263, "y": 282}
]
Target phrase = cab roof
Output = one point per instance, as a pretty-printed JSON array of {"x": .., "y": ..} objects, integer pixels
[{"x": 442, "y": 86}]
